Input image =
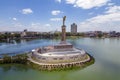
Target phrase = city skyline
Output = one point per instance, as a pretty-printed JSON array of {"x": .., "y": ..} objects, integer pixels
[{"x": 46, "y": 15}]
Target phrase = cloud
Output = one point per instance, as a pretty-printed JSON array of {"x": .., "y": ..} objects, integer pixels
[
  {"x": 87, "y": 4},
  {"x": 56, "y": 12},
  {"x": 18, "y": 25},
  {"x": 26, "y": 11},
  {"x": 91, "y": 13},
  {"x": 59, "y": 1},
  {"x": 71, "y": 1},
  {"x": 108, "y": 21},
  {"x": 113, "y": 9},
  {"x": 55, "y": 19},
  {"x": 14, "y": 26},
  {"x": 34, "y": 26},
  {"x": 47, "y": 25},
  {"x": 110, "y": 4},
  {"x": 15, "y": 19},
  {"x": 40, "y": 27}
]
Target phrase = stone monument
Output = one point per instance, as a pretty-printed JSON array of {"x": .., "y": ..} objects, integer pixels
[
  {"x": 63, "y": 37},
  {"x": 60, "y": 56}
]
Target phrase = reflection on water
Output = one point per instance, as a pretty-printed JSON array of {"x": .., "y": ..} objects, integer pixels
[
  {"x": 22, "y": 46},
  {"x": 14, "y": 67},
  {"x": 105, "y": 51}
]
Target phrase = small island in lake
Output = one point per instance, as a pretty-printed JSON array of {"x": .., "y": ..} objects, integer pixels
[{"x": 60, "y": 56}]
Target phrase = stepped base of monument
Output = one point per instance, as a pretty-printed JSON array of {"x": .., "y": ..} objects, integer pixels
[{"x": 61, "y": 66}]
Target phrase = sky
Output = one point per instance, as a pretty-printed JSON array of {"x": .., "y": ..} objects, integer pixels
[{"x": 46, "y": 15}]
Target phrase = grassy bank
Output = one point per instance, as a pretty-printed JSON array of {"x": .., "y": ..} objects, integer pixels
[
  {"x": 19, "y": 59},
  {"x": 22, "y": 59}
]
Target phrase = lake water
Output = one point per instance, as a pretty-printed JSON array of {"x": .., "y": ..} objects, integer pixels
[{"x": 105, "y": 51}]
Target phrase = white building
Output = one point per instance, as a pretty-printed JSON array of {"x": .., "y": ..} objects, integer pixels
[{"x": 24, "y": 33}]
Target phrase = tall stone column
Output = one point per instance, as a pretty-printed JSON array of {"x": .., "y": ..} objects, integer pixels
[{"x": 63, "y": 37}]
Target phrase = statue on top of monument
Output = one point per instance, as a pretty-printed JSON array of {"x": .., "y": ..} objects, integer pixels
[{"x": 64, "y": 18}]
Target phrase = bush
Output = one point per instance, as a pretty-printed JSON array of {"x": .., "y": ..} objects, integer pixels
[{"x": 6, "y": 59}]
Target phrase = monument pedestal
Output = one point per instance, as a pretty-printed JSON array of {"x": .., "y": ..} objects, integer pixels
[{"x": 63, "y": 37}]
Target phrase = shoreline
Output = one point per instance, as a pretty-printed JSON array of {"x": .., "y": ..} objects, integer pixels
[
  {"x": 62, "y": 66},
  {"x": 52, "y": 67}
]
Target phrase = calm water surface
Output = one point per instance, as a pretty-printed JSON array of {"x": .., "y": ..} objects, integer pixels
[{"x": 105, "y": 51}]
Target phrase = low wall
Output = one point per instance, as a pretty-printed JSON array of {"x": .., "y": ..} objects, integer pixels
[
  {"x": 61, "y": 66},
  {"x": 59, "y": 59}
]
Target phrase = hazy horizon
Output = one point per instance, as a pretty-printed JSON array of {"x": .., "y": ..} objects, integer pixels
[{"x": 46, "y": 15}]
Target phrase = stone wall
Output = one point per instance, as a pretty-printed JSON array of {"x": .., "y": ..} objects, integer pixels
[
  {"x": 62, "y": 66},
  {"x": 59, "y": 59}
]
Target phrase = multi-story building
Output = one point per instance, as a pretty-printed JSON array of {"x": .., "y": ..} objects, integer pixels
[
  {"x": 24, "y": 33},
  {"x": 73, "y": 28},
  {"x": 112, "y": 34}
]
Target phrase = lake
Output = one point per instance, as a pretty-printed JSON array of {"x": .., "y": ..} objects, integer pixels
[{"x": 105, "y": 51}]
